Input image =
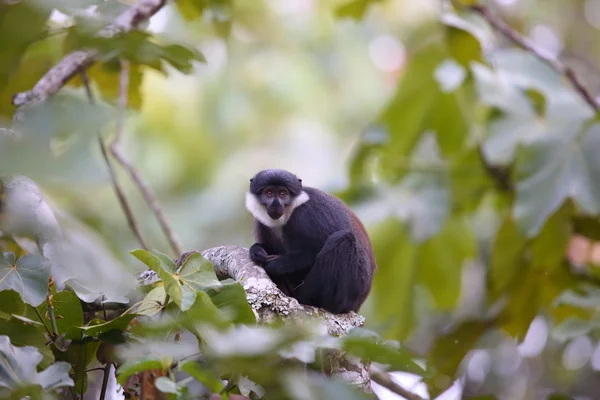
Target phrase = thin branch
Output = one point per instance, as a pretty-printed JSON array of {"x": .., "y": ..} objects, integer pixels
[
  {"x": 105, "y": 377},
  {"x": 142, "y": 185},
  {"x": 79, "y": 60},
  {"x": 121, "y": 197},
  {"x": 384, "y": 379},
  {"x": 113, "y": 176},
  {"x": 43, "y": 322},
  {"x": 498, "y": 24}
]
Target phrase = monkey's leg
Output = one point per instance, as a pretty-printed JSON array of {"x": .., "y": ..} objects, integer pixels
[{"x": 339, "y": 277}]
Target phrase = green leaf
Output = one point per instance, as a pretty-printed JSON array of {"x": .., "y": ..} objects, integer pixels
[
  {"x": 571, "y": 328},
  {"x": 183, "y": 299},
  {"x": 28, "y": 68},
  {"x": 130, "y": 368},
  {"x": 67, "y": 309},
  {"x": 403, "y": 119},
  {"x": 166, "y": 385},
  {"x": 107, "y": 78},
  {"x": 553, "y": 169},
  {"x": 205, "y": 376},
  {"x": 586, "y": 296},
  {"x": 97, "y": 328},
  {"x": 515, "y": 120},
  {"x": 18, "y": 369},
  {"x": 166, "y": 262},
  {"x": 425, "y": 202},
  {"x": 465, "y": 2},
  {"x": 354, "y": 9},
  {"x": 137, "y": 46},
  {"x": 549, "y": 247},
  {"x": 449, "y": 349},
  {"x": 23, "y": 333},
  {"x": 393, "y": 285},
  {"x": 230, "y": 298},
  {"x": 198, "y": 273},
  {"x": 368, "y": 348},
  {"x": 28, "y": 276},
  {"x": 153, "y": 302},
  {"x": 21, "y": 24},
  {"x": 440, "y": 261},
  {"x": 469, "y": 181},
  {"x": 462, "y": 39},
  {"x": 524, "y": 70},
  {"x": 534, "y": 293},
  {"x": 507, "y": 257},
  {"x": 79, "y": 356},
  {"x": 191, "y": 9},
  {"x": 201, "y": 311},
  {"x": 10, "y": 303}
]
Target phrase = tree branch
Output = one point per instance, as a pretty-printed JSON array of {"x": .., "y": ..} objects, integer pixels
[
  {"x": 79, "y": 60},
  {"x": 141, "y": 184},
  {"x": 384, "y": 379},
  {"x": 511, "y": 34},
  {"x": 113, "y": 176},
  {"x": 270, "y": 304}
]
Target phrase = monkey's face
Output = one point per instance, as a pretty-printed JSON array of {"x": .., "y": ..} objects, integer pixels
[{"x": 275, "y": 199}]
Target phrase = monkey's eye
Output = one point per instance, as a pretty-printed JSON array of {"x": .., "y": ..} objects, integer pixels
[
  {"x": 269, "y": 193},
  {"x": 282, "y": 193}
]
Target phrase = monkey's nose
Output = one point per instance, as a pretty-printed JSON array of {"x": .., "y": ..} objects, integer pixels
[{"x": 275, "y": 214}]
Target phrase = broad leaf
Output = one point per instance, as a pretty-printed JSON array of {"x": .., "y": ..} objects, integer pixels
[
  {"x": 27, "y": 276},
  {"x": 173, "y": 287},
  {"x": 18, "y": 371},
  {"x": 130, "y": 368},
  {"x": 205, "y": 376},
  {"x": 230, "y": 298},
  {"x": 555, "y": 168},
  {"x": 507, "y": 259},
  {"x": 10, "y": 303},
  {"x": 571, "y": 328},
  {"x": 355, "y": 9},
  {"x": 153, "y": 302},
  {"x": 24, "y": 333},
  {"x": 425, "y": 197},
  {"x": 97, "y": 327},
  {"x": 394, "y": 282},
  {"x": 440, "y": 261},
  {"x": 368, "y": 348},
  {"x": 67, "y": 309}
]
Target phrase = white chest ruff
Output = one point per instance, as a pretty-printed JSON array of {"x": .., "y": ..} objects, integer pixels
[{"x": 260, "y": 213}]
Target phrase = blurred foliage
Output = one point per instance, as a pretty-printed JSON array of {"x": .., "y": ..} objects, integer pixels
[{"x": 473, "y": 163}]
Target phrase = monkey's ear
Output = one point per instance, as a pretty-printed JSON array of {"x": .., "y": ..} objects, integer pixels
[
  {"x": 299, "y": 180},
  {"x": 251, "y": 179}
]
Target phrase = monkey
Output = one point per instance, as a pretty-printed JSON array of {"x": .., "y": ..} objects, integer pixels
[{"x": 310, "y": 243}]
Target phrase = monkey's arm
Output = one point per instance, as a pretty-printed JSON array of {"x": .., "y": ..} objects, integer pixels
[
  {"x": 287, "y": 263},
  {"x": 263, "y": 250},
  {"x": 259, "y": 254}
]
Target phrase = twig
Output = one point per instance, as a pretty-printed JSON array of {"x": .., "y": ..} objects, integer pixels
[
  {"x": 121, "y": 196},
  {"x": 521, "y": 41},
  {"x": 43, "y": 322},
  {"x": 142, "y": 185},
  {"x": 79, "y": 60},
  {"x": 384, "y": 379},
  {"x": 113, "y": 176},
  {"x": 52, "y": 318},
  {"x": 105, "y": 381}
]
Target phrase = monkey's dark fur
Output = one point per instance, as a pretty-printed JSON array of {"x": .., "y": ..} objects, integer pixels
[{"x": 310, "y": 243}]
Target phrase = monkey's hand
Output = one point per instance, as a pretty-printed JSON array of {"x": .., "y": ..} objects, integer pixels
[{"x": 259, "y": 255}]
